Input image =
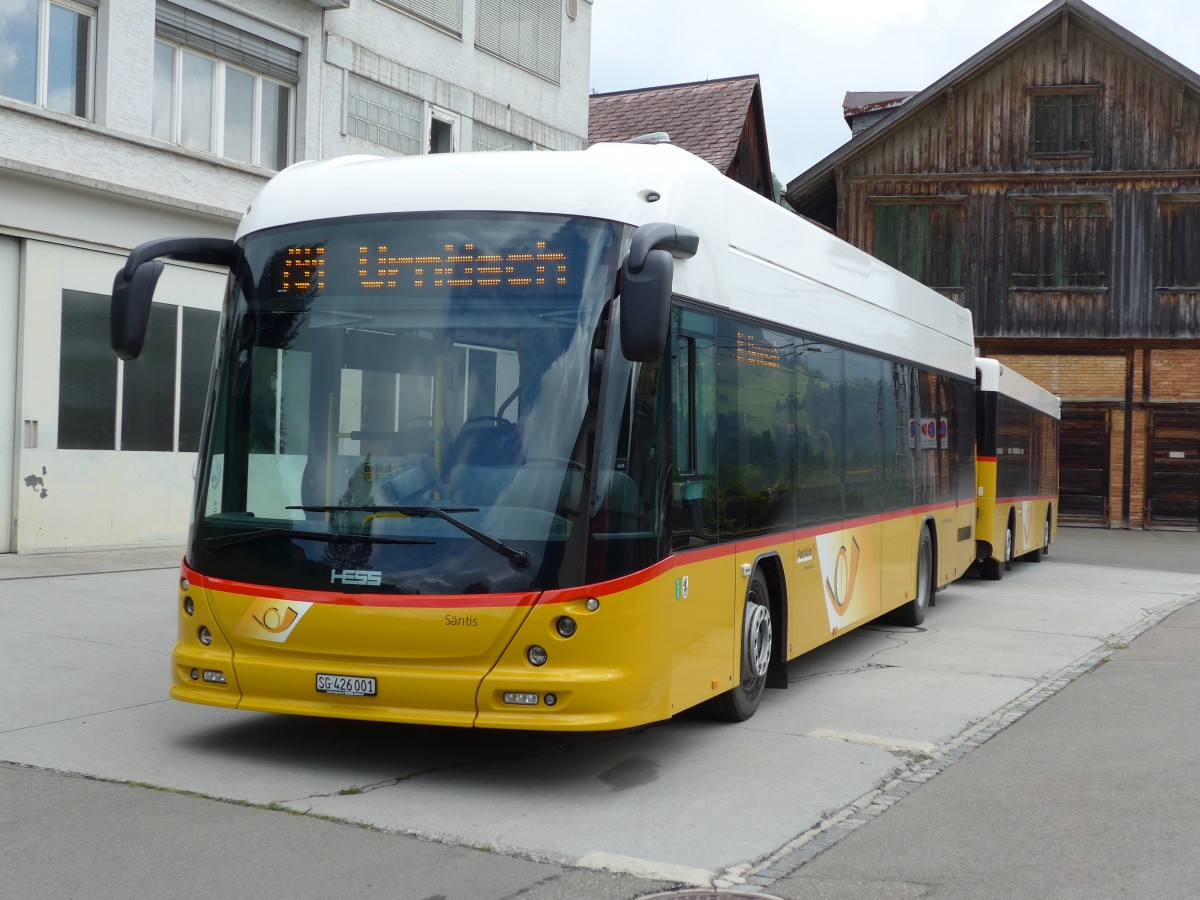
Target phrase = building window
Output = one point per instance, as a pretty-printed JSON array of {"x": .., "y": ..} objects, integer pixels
[
  {"x": 1176, "y": 239},
  {"x": 222, "y": 90},
  {"x": 383, "y": 116},
  {"x": 1063, "y": 121},
  {"x": 446, "y": 13},
  {"x": 1059, "y": 244},
  {"x": 443, "y": 132},
  {"x": 171, "y": 373},
  {"x": 46, "y": 54},
  {"x": 526, "y": 33},
  {"x": 483, "y": 137},
  {"x": 922, "y": 240}
]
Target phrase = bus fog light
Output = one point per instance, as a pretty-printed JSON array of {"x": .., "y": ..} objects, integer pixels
[
  {"x": 205, "y": 635},
  {"x": 565, "y": 626},
  {"x": 593, "y": 604},
  {"x": 520, "y": 698},
  {"x": 214, "y": 677},
  {"x": 195, "y": 674},
  {"x": 189, "y": 607},
  {"x": 551, "y": 699},
  {"x": 536, "y": 655}
]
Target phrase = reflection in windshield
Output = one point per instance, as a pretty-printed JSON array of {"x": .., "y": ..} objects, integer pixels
[{"x": 375, "y": 366}]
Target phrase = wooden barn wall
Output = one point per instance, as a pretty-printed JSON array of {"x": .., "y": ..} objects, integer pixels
[
  {"x": 746, "y": 168},
  {"x": 971, "y": 146}
]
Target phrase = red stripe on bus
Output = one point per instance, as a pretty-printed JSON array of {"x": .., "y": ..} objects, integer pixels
[{"x": 556, "y": 595}]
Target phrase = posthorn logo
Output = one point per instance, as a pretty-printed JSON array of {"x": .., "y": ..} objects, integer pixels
[{"x": 355, "y": 576}]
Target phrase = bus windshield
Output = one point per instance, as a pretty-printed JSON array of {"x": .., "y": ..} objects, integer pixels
[{"x": 409, "y": 404}]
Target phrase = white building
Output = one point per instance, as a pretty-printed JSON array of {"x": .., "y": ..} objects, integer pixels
[{"x": 127, "y": 120}]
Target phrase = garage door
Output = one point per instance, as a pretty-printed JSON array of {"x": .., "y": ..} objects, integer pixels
[
  {"x": 1083, "y": 452},
  {"x": 1173, "y": 483}
]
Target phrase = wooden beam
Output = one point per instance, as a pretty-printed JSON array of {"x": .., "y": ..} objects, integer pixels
[{"x": 1063, "y": 48}]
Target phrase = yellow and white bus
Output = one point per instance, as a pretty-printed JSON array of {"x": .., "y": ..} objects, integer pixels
[
  {"x": 554, "y": 441},
  {"x": 1016, "y": 469}
]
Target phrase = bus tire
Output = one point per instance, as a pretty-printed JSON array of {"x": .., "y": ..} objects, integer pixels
[
  {"x": 1035, "y": 555},
  {"x": 913, "y": 612},
  {"x": 992, "y": 569},
  {"x": 740, "y": 703}
]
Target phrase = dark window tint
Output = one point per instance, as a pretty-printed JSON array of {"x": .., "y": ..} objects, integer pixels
[
  {"x": 694, "y": 412},
  {"x": 755, "y": 424},
  {"x": 820, "y": 434},
  {"x": 148, "y": 404},
  {"x": 1014, "y": 450},
  {"x": 87, "y": 375},
  {"x": 865, "y": 399},
  {"x": 896, "y": 448},
  {"x": 199, "y": 342}
]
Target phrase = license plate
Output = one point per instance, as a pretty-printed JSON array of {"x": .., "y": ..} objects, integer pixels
[{"x": 346, "y": 685}]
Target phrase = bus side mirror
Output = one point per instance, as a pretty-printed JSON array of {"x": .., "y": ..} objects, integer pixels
[
  {"x": 130, "y": 308},
  {"x": 133, "y": 287},
  {"x": 646, "y": 307},
  {"x": 646, "y": 278}
]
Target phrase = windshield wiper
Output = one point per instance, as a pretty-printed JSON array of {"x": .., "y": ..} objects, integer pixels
[
  {"x": 518, "y": 559},
  {"x": 245, "y": 537}
]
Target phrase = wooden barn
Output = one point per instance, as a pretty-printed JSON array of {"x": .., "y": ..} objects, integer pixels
[{"x": 1051, "y": 184}]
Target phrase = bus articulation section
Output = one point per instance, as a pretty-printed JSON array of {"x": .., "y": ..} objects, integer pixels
[
  {"x": 1017, "y": 468},
  {"x": 554, "y": 441}
]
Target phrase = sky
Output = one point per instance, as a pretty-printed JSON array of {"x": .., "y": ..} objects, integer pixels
[{"x": 809, "y": 53}]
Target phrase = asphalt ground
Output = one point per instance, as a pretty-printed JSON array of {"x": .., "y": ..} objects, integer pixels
[{"x": 1088, "y": 790}]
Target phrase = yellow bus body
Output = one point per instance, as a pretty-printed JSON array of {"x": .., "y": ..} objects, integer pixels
[
  {"x": 1028, "y": 515},
  {"x": 659, "y": 641}
]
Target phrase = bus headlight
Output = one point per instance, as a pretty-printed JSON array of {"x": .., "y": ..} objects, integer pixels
[
  {"x": 205, "y": 635},
  {"x": 536, "y": 655},
  {"x": 565, "y": 626}
]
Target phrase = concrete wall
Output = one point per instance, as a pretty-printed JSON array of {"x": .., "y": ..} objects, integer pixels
[{"x": 76, "y": 194}]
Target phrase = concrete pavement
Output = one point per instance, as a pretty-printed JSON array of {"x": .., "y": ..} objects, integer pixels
[
  {"x": 1094, "y": 793},
  {"x": 990, "y": 655}
]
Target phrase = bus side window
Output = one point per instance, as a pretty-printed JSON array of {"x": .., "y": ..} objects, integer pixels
[{"x": 693, "y": 411}]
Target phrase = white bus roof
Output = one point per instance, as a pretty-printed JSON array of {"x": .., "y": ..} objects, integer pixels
[
  {"x": 999, "y": 378},
  {"x": 755, "y": 258}
]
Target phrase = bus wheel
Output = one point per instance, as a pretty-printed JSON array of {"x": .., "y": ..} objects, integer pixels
[
  {"x": 1036, "y": 554},
  {"x": 741, "y": 703},
  {"x": 913, "y": 612},
  {"x": 1008, "y": 546},
  {"x": 992, "y": 569}
]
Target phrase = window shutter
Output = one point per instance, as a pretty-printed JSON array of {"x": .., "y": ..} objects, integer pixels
[
  {"x": 447, "y": 13},
  {"x": 191, "y": 29},
  {"x": 527, "y": 33}
]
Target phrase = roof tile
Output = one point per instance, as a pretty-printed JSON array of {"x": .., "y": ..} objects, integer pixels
[{"x": 705, "y": 118}]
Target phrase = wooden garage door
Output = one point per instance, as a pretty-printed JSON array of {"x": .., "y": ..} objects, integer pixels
[
  {"x": 1083, "y": 453},
  {"x": 1173, "y": 482}
]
